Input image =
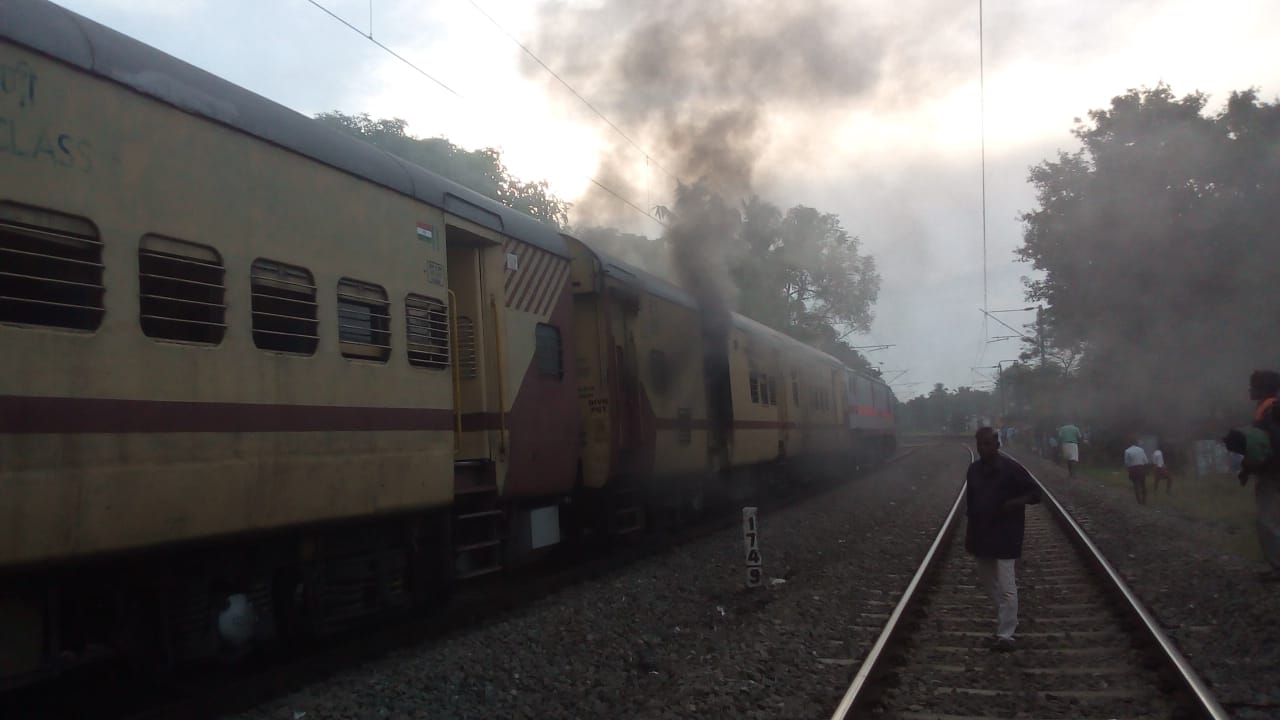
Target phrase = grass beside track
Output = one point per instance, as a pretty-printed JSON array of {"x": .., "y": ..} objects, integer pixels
[{"x": 1218, "y": 501}]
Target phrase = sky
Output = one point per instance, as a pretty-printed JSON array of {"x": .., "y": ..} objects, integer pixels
[{"x": 898, "y": 157}]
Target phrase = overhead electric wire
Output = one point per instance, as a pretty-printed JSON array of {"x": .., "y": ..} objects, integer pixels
[
  {"x": 982, "y": 143},
  {"x": 993, "y": 317},
  {"x": 369, "y": 36},
  {"x": 629, "y": 204},
  {"x": 570, "y": 88}
]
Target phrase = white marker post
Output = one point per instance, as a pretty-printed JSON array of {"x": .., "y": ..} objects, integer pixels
[{"x": 751, "y": 542}]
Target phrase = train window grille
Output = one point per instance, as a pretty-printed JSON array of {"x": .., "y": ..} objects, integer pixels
[
  {"x": 547, "y": 355},
  {"x": 658, "y": 372},
  {"x": 427, "y": 332},
  {"x": 773, "y": 390},
  {"x": 468, "y": 365},
  {"x": 181, "y": 291},
  {"x": 51, "y": 271},
  {"x": 755, "y": 388},
  {"x": 283, "y": 299},
  {"x": 364, "y": 320}
]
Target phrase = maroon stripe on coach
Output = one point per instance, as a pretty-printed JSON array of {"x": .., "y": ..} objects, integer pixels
[{"x": 32, "y": 415}]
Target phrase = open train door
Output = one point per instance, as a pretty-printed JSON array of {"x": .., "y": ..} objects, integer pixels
[{"x": 475, "y": 258}]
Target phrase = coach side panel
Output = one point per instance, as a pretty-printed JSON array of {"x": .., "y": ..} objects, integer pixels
[{"x": 112, "y": 438}]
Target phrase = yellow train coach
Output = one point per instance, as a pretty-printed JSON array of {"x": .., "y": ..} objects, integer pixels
[
  {"x": 260, "y": 379},
  {"x": 252, "y": 367},
  {"x": 672, "y": 413}
]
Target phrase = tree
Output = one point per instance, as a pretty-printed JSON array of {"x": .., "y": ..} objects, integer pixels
[
  {"x": 1159, "y": 241},
  {"x": 480, "y": 170},
  {"x": 802, "y": 273},
  {"x": 799, "y": 272},
  {"x": 944, "y": 410}
]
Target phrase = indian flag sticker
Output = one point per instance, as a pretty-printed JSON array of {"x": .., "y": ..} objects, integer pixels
[{"x": 425, "y": 232}]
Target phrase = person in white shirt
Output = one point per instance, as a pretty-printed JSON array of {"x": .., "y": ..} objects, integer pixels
[
  {"x": 1135, "y": 459},
  {"x": 1161, "y": 472}
]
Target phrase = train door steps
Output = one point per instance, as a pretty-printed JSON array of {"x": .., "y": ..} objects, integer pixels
[{"x": 479, "y": 532}]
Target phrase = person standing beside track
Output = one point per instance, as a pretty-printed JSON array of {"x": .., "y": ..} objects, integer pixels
[
  {"x": 1161, "y": 472},
  {"x": 996, "y": 495},
  {"x": 1069, "y": 439},
  {"x": 1264, "y": 385},
  {"x": 1135, "y": 461}
]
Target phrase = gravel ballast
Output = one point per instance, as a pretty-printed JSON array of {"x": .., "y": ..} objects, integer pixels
[
  {"x": 1208, "y": 601},
  {"x": 678, "y": 635}
]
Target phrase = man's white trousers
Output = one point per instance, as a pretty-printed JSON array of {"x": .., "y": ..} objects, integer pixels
[{"x": 999, "y": 580}]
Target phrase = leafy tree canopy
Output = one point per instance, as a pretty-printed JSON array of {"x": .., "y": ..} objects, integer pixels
[
  {"x": 480, "y": 170},
  {"x": 943, "y": 410},
  {"x": 1159, "y": 241},
  {"x": 799, "y": 271}
]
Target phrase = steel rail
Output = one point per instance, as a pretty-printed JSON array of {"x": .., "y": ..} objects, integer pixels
[
  {"x": 1209, "y": 705},
  {"x": 894, "y": 625}
]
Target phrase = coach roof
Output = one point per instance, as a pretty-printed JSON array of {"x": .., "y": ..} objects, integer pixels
[
  {"x": 643, "y": 280},
  {"x": 631, "y": 275},
  {"x": 97, "y": 49}
]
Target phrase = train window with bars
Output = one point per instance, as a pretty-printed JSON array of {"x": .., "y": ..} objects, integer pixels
[
  {"x": 773, "y": 390},
  {"x": 181, "y": 291},
  {"x": 427, "y": 332},
  {"x": 284, "y": 308},
  {"x": 364, "y": 320},
  {"x": 658, "y": 372},
  {"x": 755, "y": 388},
  {"x": 50, "y": 269},
  {"x": 547, "y": 354},
  {"x": 764, "y": 389}
]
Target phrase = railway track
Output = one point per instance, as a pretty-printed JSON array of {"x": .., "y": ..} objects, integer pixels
[{"x": 1086, "y": 647}]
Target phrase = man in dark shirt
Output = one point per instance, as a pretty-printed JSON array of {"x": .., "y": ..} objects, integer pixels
[{"x": 996, "y": 494}]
